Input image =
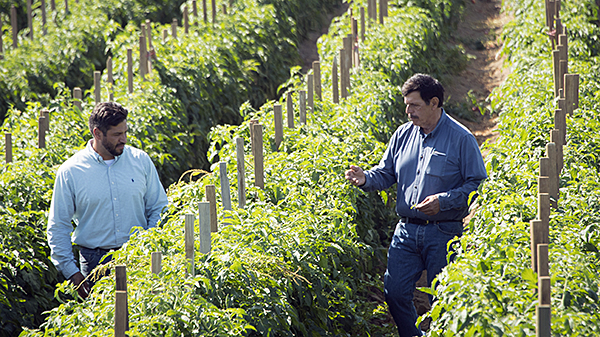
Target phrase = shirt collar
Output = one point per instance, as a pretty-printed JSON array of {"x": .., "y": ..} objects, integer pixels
[
  {"x": 95, "y": 155},
  {"x": 443, "y": 118}
]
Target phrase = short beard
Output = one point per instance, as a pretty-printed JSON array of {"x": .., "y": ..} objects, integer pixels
[{"x": 112, "y": 149}]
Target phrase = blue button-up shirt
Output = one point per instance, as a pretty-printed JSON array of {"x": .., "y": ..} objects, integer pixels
[
  {"x": 446, "y": 162},
  {"x": 105, "y": 202}
]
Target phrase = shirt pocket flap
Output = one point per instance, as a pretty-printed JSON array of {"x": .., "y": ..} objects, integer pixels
[{"x": 437, "y": 164}]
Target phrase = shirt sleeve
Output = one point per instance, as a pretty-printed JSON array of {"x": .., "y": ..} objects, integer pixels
[
  {"x": 155, "y": 199},
  {"x": 473, "y": 171},
  {"x": 60, "y": 227},
  {"x": 383, "y": 175}
]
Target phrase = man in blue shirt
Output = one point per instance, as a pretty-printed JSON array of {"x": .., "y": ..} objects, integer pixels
[
  {"x": 106, "y": 189},
  {"x": 436, "y": 164}
]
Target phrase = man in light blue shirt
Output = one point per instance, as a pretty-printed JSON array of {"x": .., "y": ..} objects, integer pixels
[
  {"x": 436, "y": 164},
  {"x": 106, "y": 189}
]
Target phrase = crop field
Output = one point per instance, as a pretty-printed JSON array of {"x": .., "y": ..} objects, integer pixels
[{"x": 219, "y": 100}]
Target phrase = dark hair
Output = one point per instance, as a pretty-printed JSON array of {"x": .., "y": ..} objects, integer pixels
[
  {"x": 427, "y": 86},
  {"x": 105, "y": 115}
]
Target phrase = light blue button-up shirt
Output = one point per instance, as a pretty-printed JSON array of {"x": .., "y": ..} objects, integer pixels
[
  {"x": 446, "y": 162},
  {"x": 105, "y": 202}
]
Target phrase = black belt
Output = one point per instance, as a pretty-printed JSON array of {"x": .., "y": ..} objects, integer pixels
[{"x": 418, "y": 221}]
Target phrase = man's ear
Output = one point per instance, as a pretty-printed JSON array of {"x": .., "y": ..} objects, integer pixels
[
  {"x": 435, "y": 101},
  {"x": 96, "y": 133}
]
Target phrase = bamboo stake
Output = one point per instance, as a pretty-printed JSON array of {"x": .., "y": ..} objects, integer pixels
[
  {"x": 543, "y": 320},
  {"x": 8, "y": 145},
  {"x": 121, "y": 277},
  {"x": 278, "y": 121},
  {"x": 15, "y": 28},
  {"x": 310, "y": 91},
  {"x": 77, "y": 97},
  {"x": 290, "y": 111},
  {"x": 225, "y": 187},
  {"x": 571, "y": 93},
  {"x": 97, "y": 87},
  {"x": 121, "y": 313},
  {"x": 186, "y": 20},
  {"x": 189, "y": 243},
  {"x": 241, "y": 172},
  {"x": 29, "y": 20},
  {"x": 174, "y": 29},
  {"x": 334, "y": 80},
  {"x": 130, "y": 70},
  {"x": 257, "y": 135},
  {"x": 302, "y": 103},
  {"x": 156, "y": 263},
  {"x": 205, "y": 231},
  {"x": 211, "y": 197},
  {"x": 317, "y": 79},
  {"x": 44, "y": 21}
]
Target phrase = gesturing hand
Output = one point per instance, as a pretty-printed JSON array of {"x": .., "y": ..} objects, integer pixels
[
  {"x": 356, "y": 176},
  {"x": 429, "y": 206}
]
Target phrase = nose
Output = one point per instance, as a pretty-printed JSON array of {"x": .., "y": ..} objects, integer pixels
[{"x": 123, "y": 138}]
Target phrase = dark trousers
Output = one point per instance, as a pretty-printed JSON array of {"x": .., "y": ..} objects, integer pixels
[{"x": 89, "y": 259}]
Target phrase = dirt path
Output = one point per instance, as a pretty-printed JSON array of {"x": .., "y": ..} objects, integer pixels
[{"x": 479, "y": 33}]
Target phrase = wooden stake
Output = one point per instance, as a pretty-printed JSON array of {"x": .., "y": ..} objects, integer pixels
[
  {"x": 174, "y": 29},
  {"x": 257, "y": 135},
  {"x": 224, "y": 6},
  {"x": 241, "y": 172},
  {"x": 15, "y": 28},
  {"x": 77, "y": 97},
  {"x": 560, "y": 123},
  {"x": 66, "y": 7},
  {"x": 381, "y": 5},
  {"x": 44, "y": 21},
  {"x": 205, "y": 231},
  {"x": 556, "y": 139},
  {"x": 149, "y": 35},
  {"x": 165, "y": 35},
  {"x": 556, "y": 69},
  {"x": 204, "y": 11},
  {"x": 543, "y": 320},
  {"x": 29, "y": 20},
  {"x": 571, "y": 93},
  {"x": 349, "y": 47},
  {"x": 536, "y": 232},
  {"x": 121, "y": 277},
  {"x": 343, "y": 74},
  {"x": 302, "y": 104},
  {"x": 41, "y": 132},
  {"x": 252, "y": 140},
  {"x": 46, "y": 114},
  {"x": 186, "y": 20},
  {"x": 289, "y": 105},
  {"x": 214, "y": 11},
  {"x": 8, "y": 147},
  {"x": 225, "y": 187},
  {"x": 121, "y": 313},
  {"x": 385, "y": 8},
  {"x": 278, "y": 121},
  {"x": 110, "y": 81},
  {"x": 290, "y": 111},
  {"x": 211, "y": 197},
  {"x": 334, "y": 81},
  {"x": 195, "y": 11},
  {"x": 311, "y": 92},
  {"x": 1, "y": 42},
  {"x": 544, "y": 290},
  {"x": 542, "y": 262},
  {"x": 362, "y": 23},
  {"x": 130, "y": 70},
  {"x": 156, "y": 263},
  {"x": 317, "y": 79},
  {"x": 544, "y": 214},
  {"x": 552, "y": 173},
  {"x": 97, "y": 87},
  {"x": 52, "y": 5},
  {"x": 189, "y": 243},
  {"x": 143, "y": 58}
]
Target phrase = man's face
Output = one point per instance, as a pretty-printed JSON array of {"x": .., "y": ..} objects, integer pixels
[
  {"x": 115, "y": 139},
  {"x": 418, "y": 112}
]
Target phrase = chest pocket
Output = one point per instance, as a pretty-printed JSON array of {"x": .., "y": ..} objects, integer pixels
[{"x": 437, "y": 164}]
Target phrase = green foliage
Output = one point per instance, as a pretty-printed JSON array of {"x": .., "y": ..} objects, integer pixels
[{"x": 490, "y": 290}]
